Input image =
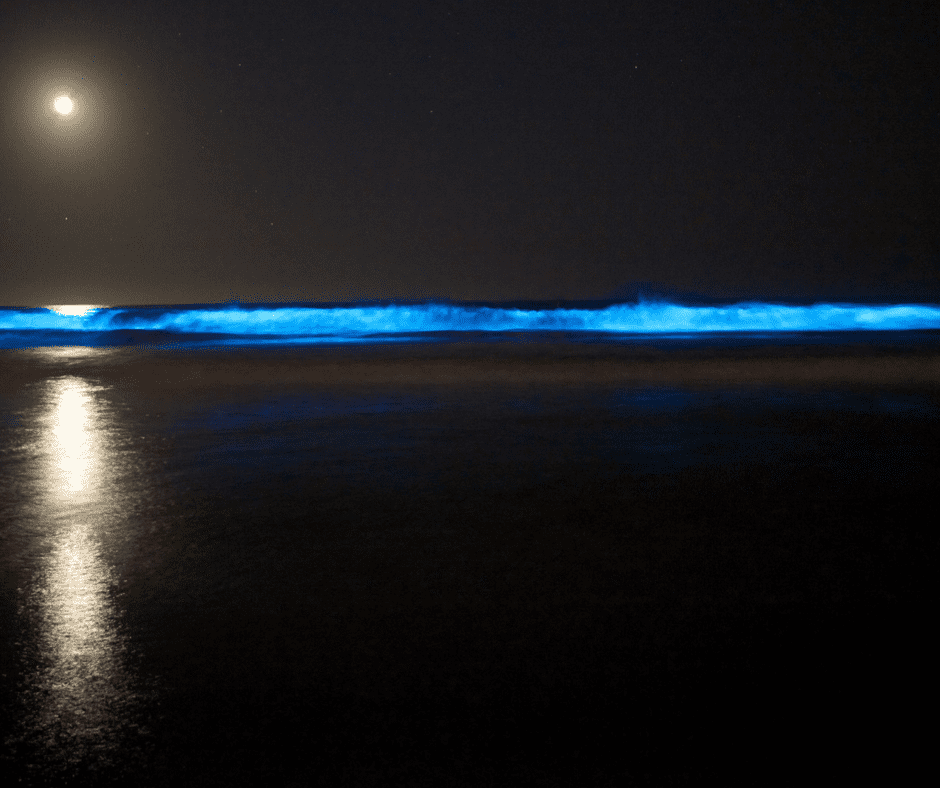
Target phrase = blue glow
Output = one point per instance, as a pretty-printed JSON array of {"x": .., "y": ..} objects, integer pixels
[{"x": 312, "y": 323}]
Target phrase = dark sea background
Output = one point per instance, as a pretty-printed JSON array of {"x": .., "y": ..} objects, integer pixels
[{"x": 478, "y": 558}]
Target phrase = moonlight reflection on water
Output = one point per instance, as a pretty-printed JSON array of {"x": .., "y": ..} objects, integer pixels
[{"x": 78, "y": 692}]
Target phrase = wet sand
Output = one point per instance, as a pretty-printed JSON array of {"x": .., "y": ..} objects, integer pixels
[
  {"x": 466, "y": 566},
  {"x": 878, "y": 359}
]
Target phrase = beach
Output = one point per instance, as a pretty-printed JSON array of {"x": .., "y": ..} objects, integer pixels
[{"x": 518, "y": 560}]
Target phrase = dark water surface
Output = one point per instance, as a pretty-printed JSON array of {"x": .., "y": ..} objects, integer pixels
[{"x": 468, "y": 563}]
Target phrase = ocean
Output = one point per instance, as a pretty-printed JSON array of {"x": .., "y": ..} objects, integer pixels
[{"x": 467, "y": 544}]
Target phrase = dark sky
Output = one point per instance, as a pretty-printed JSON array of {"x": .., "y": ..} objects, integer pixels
[{"x": 468, "y": 150}]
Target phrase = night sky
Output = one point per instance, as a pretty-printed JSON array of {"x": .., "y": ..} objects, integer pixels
[{"x": 334, "y": 151}]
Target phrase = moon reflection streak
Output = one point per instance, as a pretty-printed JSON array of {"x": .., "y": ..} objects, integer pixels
[{"x": 78, "y": 691}]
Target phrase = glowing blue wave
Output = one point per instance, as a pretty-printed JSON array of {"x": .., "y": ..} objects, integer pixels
[{"x": 325, "y": 322}]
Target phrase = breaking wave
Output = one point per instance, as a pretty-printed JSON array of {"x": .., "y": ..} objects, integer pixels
[{"x": 313, "y": 323}]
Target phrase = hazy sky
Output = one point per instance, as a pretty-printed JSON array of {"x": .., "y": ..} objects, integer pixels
[{"x": 346, "y": 150}]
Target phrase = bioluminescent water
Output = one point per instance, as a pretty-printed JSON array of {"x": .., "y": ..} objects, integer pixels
[{"x": 331, "y": 323}]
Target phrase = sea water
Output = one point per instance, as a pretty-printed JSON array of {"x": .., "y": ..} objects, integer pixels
[
  {"x": 308, "y": 322},
  {"x": 512, "y": 554}
]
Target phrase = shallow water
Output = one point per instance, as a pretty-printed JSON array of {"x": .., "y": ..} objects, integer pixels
[{"x": 463, "y": 562}]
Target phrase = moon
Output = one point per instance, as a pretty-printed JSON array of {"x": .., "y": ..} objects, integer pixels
[{"x": 63, "y": 105}]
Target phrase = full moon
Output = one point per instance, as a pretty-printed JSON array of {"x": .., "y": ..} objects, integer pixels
[{"x": 63, "y": 105}]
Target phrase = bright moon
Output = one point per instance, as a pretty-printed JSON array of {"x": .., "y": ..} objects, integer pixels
[{"x": 63, "y": 105}]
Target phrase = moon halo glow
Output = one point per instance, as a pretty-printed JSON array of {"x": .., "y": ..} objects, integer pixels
[{"x": 63, "y": 111}]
